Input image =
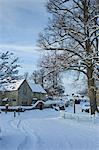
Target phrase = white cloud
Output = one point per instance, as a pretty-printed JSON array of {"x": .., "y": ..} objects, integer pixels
[{"x": 20, "y": 48}]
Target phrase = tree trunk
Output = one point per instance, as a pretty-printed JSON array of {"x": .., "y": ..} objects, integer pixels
[{"x": 91, "y": 89}]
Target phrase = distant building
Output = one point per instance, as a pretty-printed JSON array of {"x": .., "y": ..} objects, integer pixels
[
  {"x": 18, "y": 93},
  {"x": 21, "y": 93}
]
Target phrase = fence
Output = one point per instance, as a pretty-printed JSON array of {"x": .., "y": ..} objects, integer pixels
[{"x": 79, "y": 117}]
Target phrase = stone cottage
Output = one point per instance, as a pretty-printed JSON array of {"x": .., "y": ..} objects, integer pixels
[
  {"x": 17, "y": 93},
  {"x": 20, "y": 93}
]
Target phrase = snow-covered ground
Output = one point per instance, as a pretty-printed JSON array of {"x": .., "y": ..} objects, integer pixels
[{"x": 46, "y": 130}]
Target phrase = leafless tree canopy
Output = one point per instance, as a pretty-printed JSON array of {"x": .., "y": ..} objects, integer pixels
[{"x": 73, "y": 29}]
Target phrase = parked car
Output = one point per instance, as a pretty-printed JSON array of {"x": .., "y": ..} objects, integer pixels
[
  {"x": 62, "y": 107},
  {"x": 67, "y": 103},
  {"x": 86, "y": 107},
  {"x": 85, "y": 100},
  {"x": 77, "y": 101}
]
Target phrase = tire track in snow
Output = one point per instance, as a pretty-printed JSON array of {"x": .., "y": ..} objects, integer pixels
[
  {"x": 38, "y": 142},
  {"x": 22, "y": 144},
  {"x": 17, "y": 125},
  {"x": 25, "y": 143},
  {"x": 30, "y": 136}
]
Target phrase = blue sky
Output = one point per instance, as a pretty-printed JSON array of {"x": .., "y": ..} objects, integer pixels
[{"x": 20, "y": 23}]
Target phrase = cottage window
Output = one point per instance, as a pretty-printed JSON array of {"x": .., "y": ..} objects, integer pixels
[
  {"x": 13, "y": 100},
  {"x": 24, "y": 103}
]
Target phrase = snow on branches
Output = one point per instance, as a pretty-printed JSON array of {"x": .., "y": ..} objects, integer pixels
[
  {"x": 8, "y": 67},
  {"x": 74, "y": 30}
]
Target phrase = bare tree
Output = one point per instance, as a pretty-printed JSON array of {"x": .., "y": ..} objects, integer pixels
[
  {"x": 26, "y": 75},
  {"x": 51, "y": 73},
  {"x": 38, "y": 76},
  {"x": 74, "y": 29},
  {"x": 34, "y": 76},
  {"x": 41, "y": 77}
]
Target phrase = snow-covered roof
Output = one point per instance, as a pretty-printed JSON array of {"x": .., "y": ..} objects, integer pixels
[
  {"x": 15, "y": 85},
  {"x": 36, "y": 88},
  {"x": 11, "y": 86}
]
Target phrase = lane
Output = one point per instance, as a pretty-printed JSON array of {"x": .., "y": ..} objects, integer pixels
[
  {"x": 45, "y": 130},
  {"x": 55, "y": 133},
  {"x": 11, "y": 136}
]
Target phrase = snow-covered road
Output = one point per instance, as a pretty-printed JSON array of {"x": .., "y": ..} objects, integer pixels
[{"x": 45, "y": 130}]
